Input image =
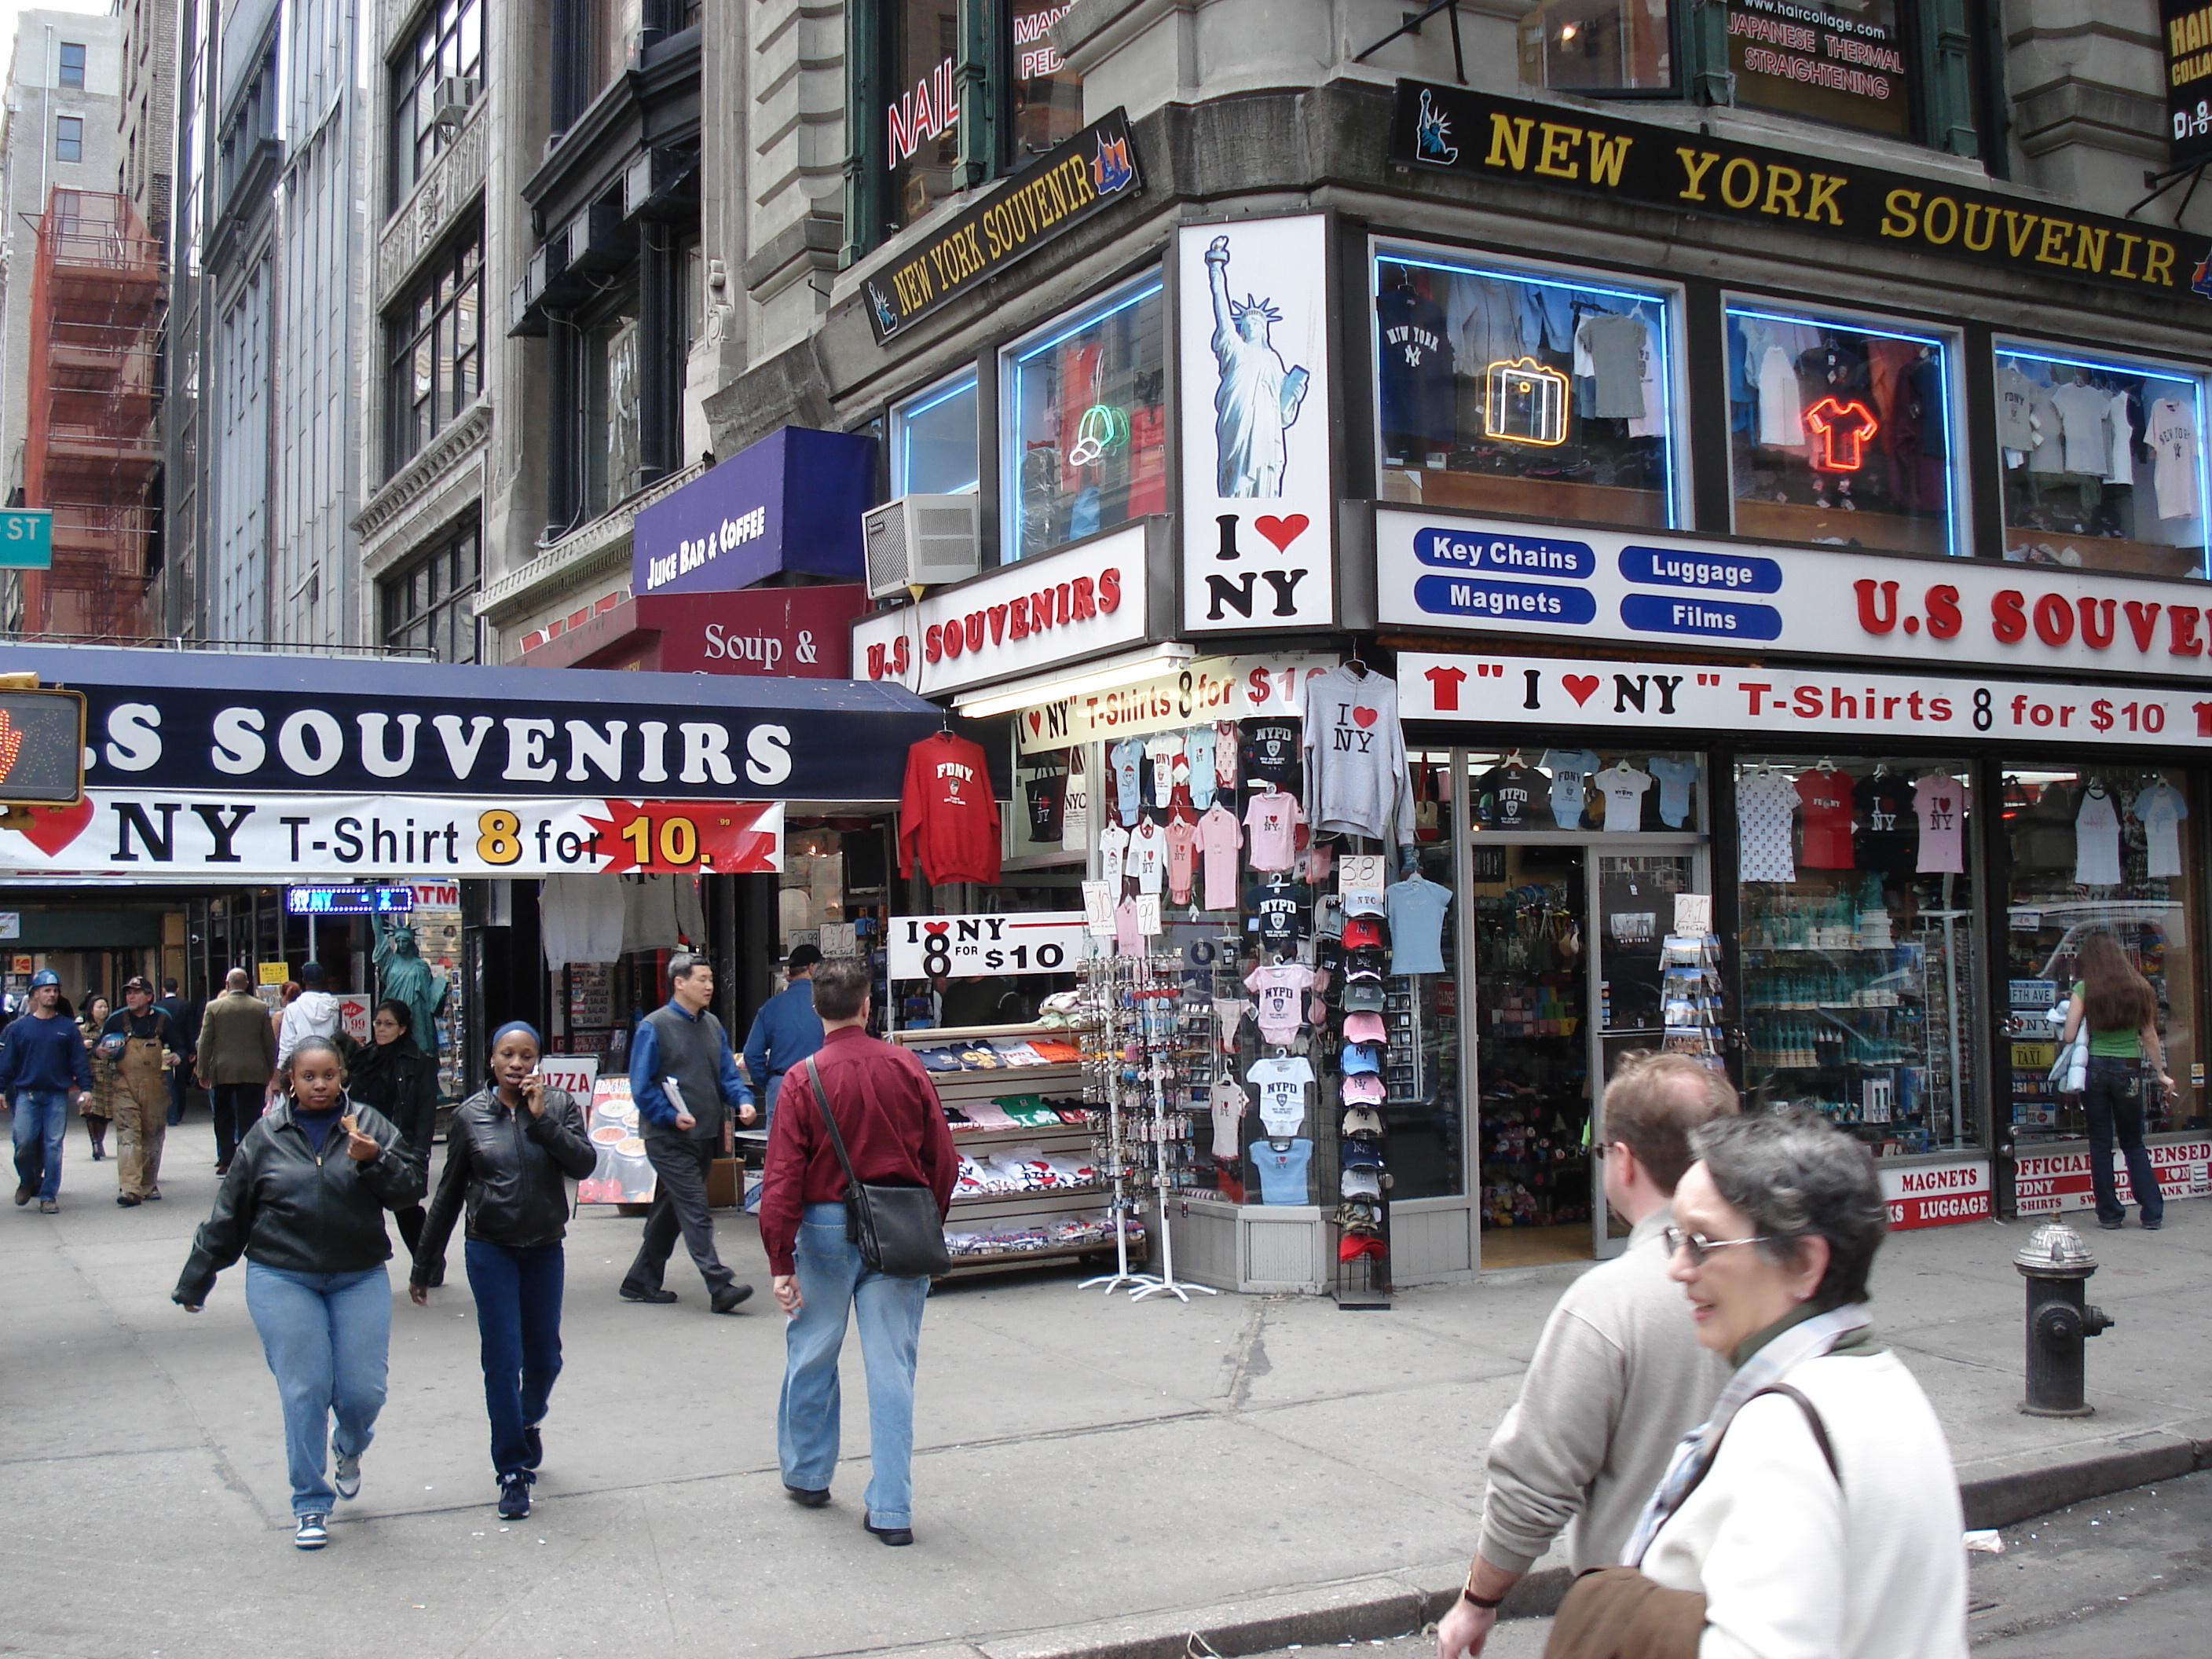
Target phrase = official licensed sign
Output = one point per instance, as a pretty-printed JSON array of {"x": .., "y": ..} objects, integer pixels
[
  {"x": 1024, "y": 942},
  {"x": 2047, "y": 1181}
]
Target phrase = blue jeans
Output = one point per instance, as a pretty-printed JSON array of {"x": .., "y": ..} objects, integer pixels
[
  {"x": 517, "y": 1296},
  {"x": 831, "y": 1282},
  {"x": 325, "y": 1337},
  {"x": 41, "y": 1115},
  {"x": 2111, "y": 1097}
]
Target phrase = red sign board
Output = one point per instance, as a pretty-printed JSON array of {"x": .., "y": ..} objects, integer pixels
[
  {"x": 796, "y": 633},
  {"x": 2049, "y": 1182},
  {"x": 1934, "y": 1195}
]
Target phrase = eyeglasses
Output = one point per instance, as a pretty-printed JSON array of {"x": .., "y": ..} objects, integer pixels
[{"x": 1699, "y": 1246}]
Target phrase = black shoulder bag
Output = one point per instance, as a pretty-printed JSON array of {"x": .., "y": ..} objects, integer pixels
[{"x": 899, "y": 1230}]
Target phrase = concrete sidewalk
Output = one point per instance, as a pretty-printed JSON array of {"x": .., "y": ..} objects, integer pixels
[{"x": 1091, "y": 1476}]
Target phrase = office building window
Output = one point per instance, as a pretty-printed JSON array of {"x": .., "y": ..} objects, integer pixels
[
  {"x": 439, "y": 72},
  {"x": 436, "y": 338},
  {"x": 430, "y": 604},
  {"x": 72, "y": 66},
  {"x": 1599, "y": 45},
  {"x": 69, "y": 138}
]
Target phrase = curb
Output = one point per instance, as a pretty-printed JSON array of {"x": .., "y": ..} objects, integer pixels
[{"x": 1364, "y": 1609}]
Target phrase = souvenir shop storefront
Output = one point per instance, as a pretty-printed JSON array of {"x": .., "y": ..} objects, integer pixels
[{"x": 531, "y": 820}]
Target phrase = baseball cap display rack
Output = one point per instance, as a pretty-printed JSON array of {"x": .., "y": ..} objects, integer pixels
[
  {"x": 1362, "y": 1215},
  {"x": 1134, "y": 1081}
]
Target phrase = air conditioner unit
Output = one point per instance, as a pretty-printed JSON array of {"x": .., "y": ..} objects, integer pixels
[
  {"x": 453, "y": 98},
  {"x": 920, "y": 541}
]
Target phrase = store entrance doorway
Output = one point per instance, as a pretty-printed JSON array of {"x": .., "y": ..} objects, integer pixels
[{"x": 1568, "y": 932}]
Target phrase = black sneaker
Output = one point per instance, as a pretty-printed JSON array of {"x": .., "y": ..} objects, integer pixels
[
  {"x": 807, "y": 1497},
  {"x": 127, "y": 1200},
  {"x": 897, "y": 1537},
  {"x": 731, "y": 1300},
  {"x": 514, "y": 1496},
  {"x": 25, "y": 1191},
  {"x": 533, "y": 1448},
  {"x": 630, "y": 1292}
]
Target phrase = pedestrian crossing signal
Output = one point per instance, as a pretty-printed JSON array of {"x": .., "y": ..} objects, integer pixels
[{"x": 41, "y": 747}]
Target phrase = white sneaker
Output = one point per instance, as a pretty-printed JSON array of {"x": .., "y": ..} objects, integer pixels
[
  {"x": 311, "y": 1534},
  {"x": 345, "y": 1473}
]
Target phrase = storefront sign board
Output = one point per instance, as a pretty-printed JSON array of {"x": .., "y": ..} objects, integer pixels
[
  {"x": 1211, "y": 689},
  {"x": 1935, "y": 1194},
  {"x": 247, "y": 838},
  {"x": 1792, "y": 705},
  {"x": 2185, "y": 29},
  {"x": 791, "y": 503},
  {"x": 1041, "y": 614},
  {"x": 1259, "y": 520},
  {"x": 1492, "y": 576},
  {"x": 1032, "y": 942},
  {"x": 802, "y": 632},
  {"x": 2046, "y": 1181},
  {"x": 1550, "y": 146},
  {"x": 1046, "y": 198}
]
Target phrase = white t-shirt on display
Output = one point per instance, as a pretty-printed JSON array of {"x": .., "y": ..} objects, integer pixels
[
  {"x": 1148, "y": 856},
  {"x": 1623, "y": 788},
  {"x": 1766, "y": 810},
  {"x": 1282, "y": 1084},
  {"x": 1163, "y": 751},
  {"x": 2173, "y": 438},
  {"x": 2097, "y": 840},
  {"x": 2159, "y": 808},
  {"x": 1941, "y": 801},
  {"x": 1228, "y": 1103},
  {"x": 1113, "y": 857}
]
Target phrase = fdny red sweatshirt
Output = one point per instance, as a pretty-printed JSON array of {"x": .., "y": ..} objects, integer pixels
[{"x": 947, "y": 817}]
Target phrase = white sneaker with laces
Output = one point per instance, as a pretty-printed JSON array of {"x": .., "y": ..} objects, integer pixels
[
  {"x": 311, "y": 1534},
  {"x": 345, "y": 1472}
]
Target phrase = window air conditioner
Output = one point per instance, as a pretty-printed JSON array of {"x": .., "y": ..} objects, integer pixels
[
  {"x": 919, "y": 541},
  {"x": 454, "y": 97}
]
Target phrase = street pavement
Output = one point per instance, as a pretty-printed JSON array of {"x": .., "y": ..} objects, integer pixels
[{"x": 1092, "y": 1476}]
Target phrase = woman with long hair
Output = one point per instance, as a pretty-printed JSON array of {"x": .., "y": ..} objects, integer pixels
[
  {"x": 99, "y": 1109},
  {"x": 304, "y": 1203},
  {"x": 513, "y": 1149},
  {"x": 397, "y": 1078},
  {"x": 2120, "y": 1009}
]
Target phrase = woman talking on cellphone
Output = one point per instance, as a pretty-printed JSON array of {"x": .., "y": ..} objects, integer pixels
[
  {"x": 304, "y": 1202},
  {"x": 510, "y": 1153}
]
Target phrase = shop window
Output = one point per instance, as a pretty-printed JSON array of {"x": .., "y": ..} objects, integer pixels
[
  {"x": 72, "y": 66},
  {"x": 1857, "y": 945},
  {"x": 933, "y": 441},
  {"x": 1528, "y": 391},
  {"x": 2109, "y": 848},
  {"x": 69, "y": 138},
  {"x": 2104, "y": 463},
  {"x": 439, "y": 68},
  {"x": 429, "y": 604},
  {"x": 1085, "y": 445},
  {"x": 435, "y": 336},
  {"x": 1599, "y": 45},
  {"x": 921, "y": 112},
  {"x": 1047, "y": 95},
  {"x": 1842, "y": 432},
  {"x": 1852, "y": 67}
]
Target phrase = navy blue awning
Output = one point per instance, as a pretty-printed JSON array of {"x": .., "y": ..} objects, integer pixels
[{"x": 306, "y": 724}]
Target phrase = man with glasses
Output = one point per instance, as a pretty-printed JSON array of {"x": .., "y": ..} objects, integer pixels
[{"x": 1618, "y": 1377}]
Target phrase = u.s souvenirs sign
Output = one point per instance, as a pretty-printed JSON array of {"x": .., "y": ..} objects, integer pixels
[
  {"x": 1454, "y": 130},
  {"x": 1054, "y": 193}
]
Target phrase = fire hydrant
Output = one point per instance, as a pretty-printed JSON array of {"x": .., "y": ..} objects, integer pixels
[{"x": 2057, "y": 1265}]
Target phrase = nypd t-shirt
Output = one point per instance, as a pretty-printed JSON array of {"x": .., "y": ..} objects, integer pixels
[
  {"x": 1271, "y": 752},
  {"x": 1509, "y": 795},
  {"x": 1274, "y": 910}
]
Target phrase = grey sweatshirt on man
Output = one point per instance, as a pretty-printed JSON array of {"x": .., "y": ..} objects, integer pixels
[{"x": 1618, "y": 1378}]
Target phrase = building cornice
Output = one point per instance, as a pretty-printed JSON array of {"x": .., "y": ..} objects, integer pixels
[
  {"x": 423, "y": 473},
  {"x": 593, "y": 549}
]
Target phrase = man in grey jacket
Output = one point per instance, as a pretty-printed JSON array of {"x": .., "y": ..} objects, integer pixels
[{"x": 1619, "y": 1376}]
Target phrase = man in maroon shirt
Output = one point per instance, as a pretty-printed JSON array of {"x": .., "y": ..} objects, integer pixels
[{"x": 894, "y": 1130}]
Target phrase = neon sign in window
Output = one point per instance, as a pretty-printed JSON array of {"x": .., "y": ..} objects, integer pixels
[{"x": 1843, "y": 429}]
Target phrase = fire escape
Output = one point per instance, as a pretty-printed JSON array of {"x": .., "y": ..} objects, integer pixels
[{"x": 91, "y": 453}]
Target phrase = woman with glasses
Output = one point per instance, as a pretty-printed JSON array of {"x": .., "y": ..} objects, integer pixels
[{"x": 1815, "y": 1511}]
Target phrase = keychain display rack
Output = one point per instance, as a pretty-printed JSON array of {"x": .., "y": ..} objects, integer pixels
[{"x": 1134, "y": 1081}]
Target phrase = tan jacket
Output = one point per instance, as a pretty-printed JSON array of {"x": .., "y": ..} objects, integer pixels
[{"x": 236, "y": 1042}]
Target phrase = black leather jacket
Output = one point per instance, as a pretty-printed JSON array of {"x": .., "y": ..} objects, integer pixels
[
  {"x": 509, "y": 1167},
  {"x": 286, "y": 1206},
  {"x": 401, "y": 1082}
]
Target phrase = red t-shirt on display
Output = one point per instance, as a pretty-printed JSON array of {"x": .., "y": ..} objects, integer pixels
[
  {"x": 948, "y": 818},
  {"x": 1826, "y": 796}
]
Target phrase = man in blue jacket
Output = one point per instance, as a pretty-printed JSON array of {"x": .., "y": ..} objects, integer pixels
[
  {"x": 41, "y": 1056},
  {"x": 682, "y": 1044},
  {"x": 785, "y": 1029}
]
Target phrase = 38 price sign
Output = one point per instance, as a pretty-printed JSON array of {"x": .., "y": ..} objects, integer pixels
[{"x": 957, "y": 947}]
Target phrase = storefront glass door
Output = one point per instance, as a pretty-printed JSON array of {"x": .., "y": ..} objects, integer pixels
[{"x": 1635, "y": 913}]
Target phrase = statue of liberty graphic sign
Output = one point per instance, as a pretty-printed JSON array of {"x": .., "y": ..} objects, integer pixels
[{"x": 1258, "y": 492}]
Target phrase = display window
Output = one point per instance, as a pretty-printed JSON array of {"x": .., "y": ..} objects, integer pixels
[
  {"x": 1046, "y": 95},
  {"x": 933, "y": 443},
  {"x": 1842, "y": 432},
  {"x": 2104, "y": 462},
  {"x": 1599, "y": 45},
  {"x": 1085, "y": 426},
  {"x": 921, "y": 106},
  {"x": 2107, "y": 847},
  {"x": 1524, "y": 391},
  {"x": 1566, "y": 787},
  {"x": 1856, "y": 936}
]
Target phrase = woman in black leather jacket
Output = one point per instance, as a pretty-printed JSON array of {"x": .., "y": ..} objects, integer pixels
[
  {"x": 304, "y": 1202},
  {"x": 397, "y": 1078},
  {"x": 510, "y": 1153}
]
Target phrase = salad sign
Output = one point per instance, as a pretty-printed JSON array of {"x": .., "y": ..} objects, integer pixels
[{"x": 957, "y": 947}]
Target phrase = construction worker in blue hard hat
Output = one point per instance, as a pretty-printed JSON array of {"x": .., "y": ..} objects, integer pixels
[{"x": 42, "y": 1063}]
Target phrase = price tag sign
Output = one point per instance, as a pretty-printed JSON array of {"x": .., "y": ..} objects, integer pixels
[
  {"x": 1148, "y": 914},
  {"x": 1024, "y": 942},
  {"x": 1693, "y": 913},
  {"x": 1098, "y": 909}
]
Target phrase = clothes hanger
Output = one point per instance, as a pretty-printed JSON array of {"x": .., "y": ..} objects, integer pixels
[{"x": 1355, "y": 665}]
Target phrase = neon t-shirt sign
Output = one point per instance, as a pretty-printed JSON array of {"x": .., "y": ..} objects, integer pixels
[{"x": 1843, "y": 429}]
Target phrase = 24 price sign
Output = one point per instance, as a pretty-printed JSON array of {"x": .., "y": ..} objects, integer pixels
[{"x": 957, "y": 947}]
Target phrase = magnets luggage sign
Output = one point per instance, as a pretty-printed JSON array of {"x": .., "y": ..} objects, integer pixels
[{"x": 1036, "y": 942}]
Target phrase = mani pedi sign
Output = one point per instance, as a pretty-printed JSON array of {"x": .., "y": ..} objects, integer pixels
[{"x": 1454, "y": 129}]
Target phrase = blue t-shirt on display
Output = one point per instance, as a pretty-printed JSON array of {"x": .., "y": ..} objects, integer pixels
[
  {"x": 1198, "y": 750},
  {"x": 1417, "y": 907},
  {"x": 1571, "y": 770},
  {"x": 1128, "y": 763},
  {"x": 1282, "y": 1166},
  {"x": 1675, "y": 777}
]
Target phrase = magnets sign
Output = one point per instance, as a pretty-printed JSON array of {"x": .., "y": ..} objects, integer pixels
[{"x": 1258, "y": 465}]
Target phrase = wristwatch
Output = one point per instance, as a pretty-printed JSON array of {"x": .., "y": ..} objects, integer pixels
[{"x": 1487, "y": 1603}]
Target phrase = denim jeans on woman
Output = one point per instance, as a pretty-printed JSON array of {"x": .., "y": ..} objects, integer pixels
[
  {"x": 517, "y": 1296},
  {"x": 2112, "y": 1099},
  {"x": 832, "y": 1282},
  {"x": 325, "y": 1336}
]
